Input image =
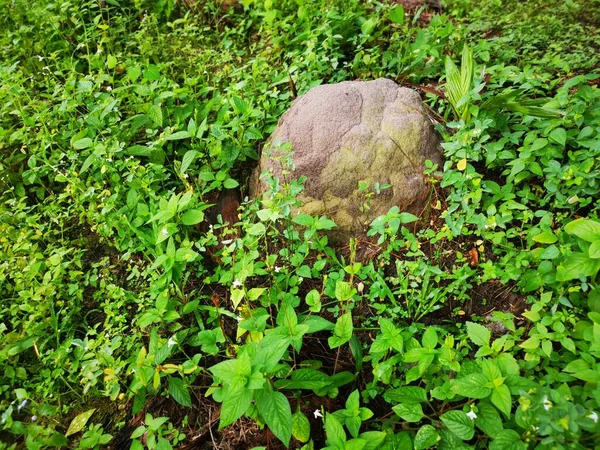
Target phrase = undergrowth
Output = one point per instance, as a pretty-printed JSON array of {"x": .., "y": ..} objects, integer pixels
[{"x": 134, "y": 316}]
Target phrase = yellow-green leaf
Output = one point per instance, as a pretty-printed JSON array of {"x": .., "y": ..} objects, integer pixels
[{"x": 78, "y": 423}]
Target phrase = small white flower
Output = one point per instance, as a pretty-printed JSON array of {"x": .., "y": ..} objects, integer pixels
[
  {"x": 108, "y": 88},
  {"x": 471, "y": 415},
  {"x": 238, "y": 318},
  {"x": 185, "y": 175},
  {"x": 164, "y": 232},
  {"x": 33, "y": 418},
  {"x": 109, "y": 159},
  {"x": 21, "y": 405},
  {"x": 547, "y": 403},
  {"x": 594, "y": 416},
  {"x": 300, "y": 280},
  {"x": 98, "y": 51},
  {"x": 227, "y": 241},
  {"x": 41, "y": 58},
  {"x": 236, "y": 283},
  {"x": 277, "y": 269},
  {"x": 171, "y": 342},
  {"x": 317, "y": 413}
]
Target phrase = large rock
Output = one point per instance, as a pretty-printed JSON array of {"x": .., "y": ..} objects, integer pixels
[{"x": 341, "y": 134}]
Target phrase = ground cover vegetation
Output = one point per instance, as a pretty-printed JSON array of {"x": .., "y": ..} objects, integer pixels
[{"x": 135, "y": 315}]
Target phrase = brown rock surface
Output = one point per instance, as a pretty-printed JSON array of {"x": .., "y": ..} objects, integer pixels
[{"x": 342, "y": 134}]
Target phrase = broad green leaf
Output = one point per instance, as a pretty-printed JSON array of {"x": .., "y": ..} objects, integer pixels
[
  {"x": 430, "y": 338},
  {"x": 374, "y": 439},
  {"x": 235, "y": 404},
  {"x": 258, "y": 229},
  {"x": 133, "y": 73},
  {"x": 336, "y": 436},
  {"x": 233, "y": 372},
  {"x": 312, "y": 379},
  {"x": 501, "y": 399},
  {"x": 577, "y": 265},
  {"x": 559, "y": 135},
  {"x": 313, "y": 300},
  {"x": 594, "y": 250},
  {"x": 83, "y": 143},
  {"x": 300, "y": 427},
  {"x": 488, "y": 420},
  {"x": 304, "y": 220},
  {"x": 271, "y": 349},
  {"x": 342, "y": 331},
  {"x": 472, "y": 386},
  {"x": 409, "y": 412},
  {"x": 368, "y": 26},
  {"x": 155, "y": 113},
  {"x": 399, "y": 441},
  {"x": 545, "y": 237},
  {"x": 187, "y": 160},
  {"x": 478, "y": 334},
  {"x": 507, "y": 440},
  {"x": 178, "y": 136},
  {"x": 459, "y": 424},
  {"x": 79, "y": 421},
  {"x": 275, "y": 409},
  {"x": 406, "y": 395},
  {"x": 230, "y": 183},
  {"x": 192, "y": 217},
  {"x": 208, "y": 339},
  {"x": 586, "y": 229},
  {"x": 179, "y": 391},
  {"x": 343, "y": 291},
  {"x": 426, "y": 437},
  {"x": 397, "y": 15}
]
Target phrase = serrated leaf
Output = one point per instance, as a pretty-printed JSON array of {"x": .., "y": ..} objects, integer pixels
[
  {"x": 235, "y": 404},
  {"x": 79, "y": 422},
  {"x": 275, "y": 409},
  {"x": 501, "y": 399},
  {"x": 488, "y": 420},
  {"x": 409, "y": 412},
  {"x": 507, "y": 440},
  {"x": 336, "y": 436},
  {"x": 179, "y": 392},
  {"x": 472, "y": 385},
  {"x": 304, "y": 220},
  {"x": 459, "y": 424},
  {"x": 406, "y": 395},
  {"x": 342, "y": 331},
  {"x": 478, "y": 334},
  {"x": 155, "y": 113}
]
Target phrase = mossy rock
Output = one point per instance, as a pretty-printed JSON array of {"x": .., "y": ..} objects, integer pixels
[{"x": 351, "y": 132}]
